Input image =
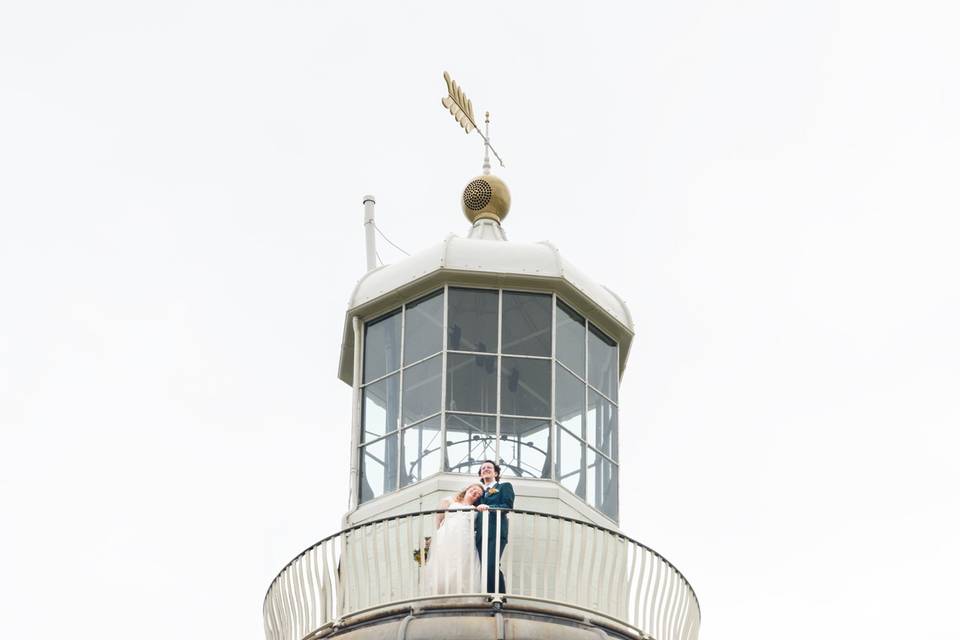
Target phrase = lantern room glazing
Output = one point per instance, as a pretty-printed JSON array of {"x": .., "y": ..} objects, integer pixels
[{"x": 467, "y": 374}]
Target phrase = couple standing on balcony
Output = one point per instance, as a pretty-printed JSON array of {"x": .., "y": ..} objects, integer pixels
[{"x": 455, "y": 551}]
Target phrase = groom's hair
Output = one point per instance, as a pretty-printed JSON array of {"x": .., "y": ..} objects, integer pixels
[{"x": 496, "y": 469}]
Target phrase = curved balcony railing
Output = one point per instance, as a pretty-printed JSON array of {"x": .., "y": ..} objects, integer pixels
[{"x": 548, "y": 559}]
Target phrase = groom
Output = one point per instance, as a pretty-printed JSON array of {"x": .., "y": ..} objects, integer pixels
[{"x": 496, "y": 496}]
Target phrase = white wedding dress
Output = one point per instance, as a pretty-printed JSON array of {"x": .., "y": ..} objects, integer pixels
[{"x": 452, "y": 563}]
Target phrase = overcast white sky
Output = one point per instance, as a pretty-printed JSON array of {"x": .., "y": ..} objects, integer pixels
[{"x": 771, "y": 186}]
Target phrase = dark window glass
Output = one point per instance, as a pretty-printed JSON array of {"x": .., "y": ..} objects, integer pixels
[
  {"x": 421, "y": 390},
  {"x": 571, "y": 340},
  {"x": 602, "y": 424},
  {"x": 570, "y": 461},
  {"x": 592, "y": 476},
  {"x": 525, "y": 447},
  {"x": 378, "y": 468},
  {"x": 470, "y": 441},
  {"x": 381, "y": 407},
  {"x": 571, "y": 396},
  {"x": 420, "y": 451},
  {"x": 472, "y": 383},
  {"x": 381, "y": 347},
  {"x": 603, "y": 363},
  {"x": 525, "y": 387},
  {"x": 472, "y": 320},
  {"x": 526, "y": 323},
  {"x": 601, "y": 483},
  {"x": 423, "y": 328},
  {"x": 607, "y": 488}
]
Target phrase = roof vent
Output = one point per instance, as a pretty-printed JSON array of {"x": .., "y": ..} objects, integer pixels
[{"x": 486, "y": 198}]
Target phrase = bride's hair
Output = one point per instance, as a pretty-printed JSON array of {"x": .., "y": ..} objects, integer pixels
[{"x": 459, "y": 497}]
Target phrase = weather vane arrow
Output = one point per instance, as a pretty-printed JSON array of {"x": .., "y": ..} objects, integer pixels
[{"x": 461, "y": 108}]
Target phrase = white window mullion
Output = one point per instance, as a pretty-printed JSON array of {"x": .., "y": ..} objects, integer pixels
[
  {"x": 496, "y": 450},
  {"x": 443, "y": 386},
  {"x": 399, "y": 426},
  {"x": 552, "y": 435}
]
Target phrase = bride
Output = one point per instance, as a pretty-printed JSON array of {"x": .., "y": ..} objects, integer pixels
[{"x": 452, "y": 564}]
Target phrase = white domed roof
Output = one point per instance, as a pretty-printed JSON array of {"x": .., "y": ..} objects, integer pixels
[{"x": 485, "y": 258}]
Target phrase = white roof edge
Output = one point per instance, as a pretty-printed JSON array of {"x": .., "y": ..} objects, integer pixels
[
  {"x": 556, "y": 255},
  {"x": 488, "y": 264}
]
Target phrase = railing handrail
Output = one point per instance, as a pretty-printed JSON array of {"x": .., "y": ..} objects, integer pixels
[{"x": 520, "y": 511}]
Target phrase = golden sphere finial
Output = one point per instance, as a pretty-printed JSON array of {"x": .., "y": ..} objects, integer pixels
[{"x": 486, "y": 198}]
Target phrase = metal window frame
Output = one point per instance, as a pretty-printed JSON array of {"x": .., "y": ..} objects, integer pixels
[{"x": 418, "y": 426}]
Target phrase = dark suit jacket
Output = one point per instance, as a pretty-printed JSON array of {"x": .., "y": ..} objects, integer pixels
[{"x": 501, "y": 499}]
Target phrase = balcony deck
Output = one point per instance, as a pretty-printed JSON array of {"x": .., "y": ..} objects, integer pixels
[{"x": 551, "y": 563}]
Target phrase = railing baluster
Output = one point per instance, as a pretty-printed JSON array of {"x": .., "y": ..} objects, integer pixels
[
  {"x": 583, "y": 552},
  {"x": 351, "y": 571},
  {"x": 398, "y": 559},
  {"x": 296, "y": 584},
  {"x": 422, "y": 544},
  {"x": 661, "y": 602},
  {"x": 324, "y": 586},
  {"x": 668, "y": 600},
  {"x": 630, "y": 552},
  {"x": 640, "y": 612},
  {"x": 288, "y": 631},
  {"x": 459, "y": 585},
  {"x": 508, "y": 571},
  {"x": 543, "y": 567},
  {"x": 599, "y": 537},
  {"x": 311, "y": 578},
  {"x": 623, "y": 584},
  {"x": 484, "y": 557},
  {"x": 368, "y": 563},
  {"x": 386, "y": 585},
  {"x": 668, "y": 606},
  {"x": 412, "y": 582},
  {"x": 603, "y": 583},
  {"x": 681, "y": 612},
  {"x": 615, "y": 577},
  {"x": 558, "y": 581},
  {"x": 498, "y": 515},
  {"x": 681, "y": 605},
  {"x": 269, "y": 617},
  {"x": 655, "y": 615},
  {"x": 525, "y": 557},
  {"x": 304, "y": 575}
]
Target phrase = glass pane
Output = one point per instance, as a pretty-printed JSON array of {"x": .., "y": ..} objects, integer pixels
[
  {"x": 472, "y": 320},
  {"x": 470, "y": 441},
  {"x": 421, "y": 390},
  {"x": 525, "y": 447},
  {"x": 420, "y": 451},
  {"x": 570, "y": 459},
  {"x": 423, "y": 328},
  {"x": 381, "y": 347},
  {"x": 381, "y": 407},
  {"x": 571, "y": 396},
  {"x": 526, "y": 323},
  {"x": 571, "y": 341},
  {"x": 471, "y": 383},
  {"x": 378, "y": 468},
  {"x": 602, "y": 424},
  {"x": 592, "y": 476},
  {"x": 603, "y": 363},
  {"x": 607, "y": 487},
  {"x": 525, "y": 387}
]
